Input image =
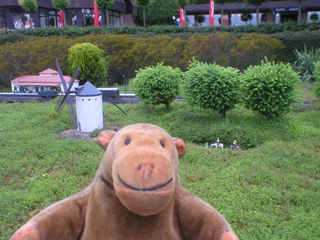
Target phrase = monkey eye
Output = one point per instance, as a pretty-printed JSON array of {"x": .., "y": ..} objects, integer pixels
[
  {"x": 162, "y": 144},
  {"x": 127, "y": 141}
]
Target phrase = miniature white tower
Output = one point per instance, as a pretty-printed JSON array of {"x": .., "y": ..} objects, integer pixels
[{"x": 89, "y": 108}]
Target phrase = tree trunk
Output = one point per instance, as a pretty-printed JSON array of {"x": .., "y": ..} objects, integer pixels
[
  {"x": 64, "y": 18},
  {"x": 144, "y": 16},
  {"x": 221, "y": 15},
  {"x": 223, "y": 115},
  {"x": 30, "y": 16},
  {"x": 299, "y": 10},
  {"x": 108, "y": 22},
  {"x": 185, "y": 18},
  {"x": 103, "y": 18},
  {"x": 257, "y": 16}
]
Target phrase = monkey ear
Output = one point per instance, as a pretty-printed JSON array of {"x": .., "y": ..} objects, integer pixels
[
  {"x": 180, "y": 145},
  {"x": 105, "y": 137}
]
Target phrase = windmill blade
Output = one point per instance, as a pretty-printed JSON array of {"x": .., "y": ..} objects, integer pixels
[
  {"x": 67, "y": 95},
  {"x": 75, "y": 75},
  {"x": 116, "y": 106}
]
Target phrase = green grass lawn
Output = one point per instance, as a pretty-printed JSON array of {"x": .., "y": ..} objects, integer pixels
[{"x": 269, "y": 189}]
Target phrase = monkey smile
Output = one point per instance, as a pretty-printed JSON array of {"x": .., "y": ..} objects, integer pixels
[{"x": 144, "y": 189}]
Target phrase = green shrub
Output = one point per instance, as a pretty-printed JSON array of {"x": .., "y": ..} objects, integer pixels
[
  {"x": 268, "y": 88},
  {"x": 305, "y": 62},
  {"x": 211, "y": 86},
  {"x": 238, "y": 51},
  {"x": 91, "y": 61},
  {"x": 296, "y": 41},
  {"x": 317, "y": 78},
  {"x": 129, "y": 53},
  {"x": 265, "y": 28},
  {"x": 157, "y": 85}
]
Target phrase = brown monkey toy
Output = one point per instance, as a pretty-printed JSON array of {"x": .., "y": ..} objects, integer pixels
[{"x": 136, "y": 195}]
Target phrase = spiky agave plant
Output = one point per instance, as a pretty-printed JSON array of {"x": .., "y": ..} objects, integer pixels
[{"x": 305, "y": 62}]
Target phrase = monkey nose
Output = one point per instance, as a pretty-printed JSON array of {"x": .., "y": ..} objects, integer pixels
[{"x": 146, "y": 171}]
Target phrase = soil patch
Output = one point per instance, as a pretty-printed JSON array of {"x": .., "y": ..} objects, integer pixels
[{"x": 74, "y": 134}]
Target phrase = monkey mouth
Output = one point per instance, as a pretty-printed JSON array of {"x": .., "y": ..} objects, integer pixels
[{"x": 144, "y": 189}]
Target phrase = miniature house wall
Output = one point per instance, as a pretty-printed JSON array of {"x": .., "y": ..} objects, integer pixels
[{"x": 89, "y": 108}]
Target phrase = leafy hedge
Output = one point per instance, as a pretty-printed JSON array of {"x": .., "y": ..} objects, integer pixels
[
  {"x": 266, "y": 28},
  {"x": 128, "y": 54},
  {"x": 296, "y": 40}
]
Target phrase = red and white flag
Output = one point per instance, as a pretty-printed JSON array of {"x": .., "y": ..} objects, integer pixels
[
  {"x": 211, "y": 13},
  {"x": 182, "y": 20},
  {"x": 61, "y": 19},
  {"x": 96, "y": 14}
]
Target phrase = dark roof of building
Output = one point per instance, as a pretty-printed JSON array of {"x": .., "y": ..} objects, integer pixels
[
  {"x": 88, "y": 90},
  {"x": 243, "y": 7}
]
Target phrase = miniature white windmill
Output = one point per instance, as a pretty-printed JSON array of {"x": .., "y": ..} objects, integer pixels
[
  {"x": 88, "y": 102},
  {"x": 89, "y": 108}
]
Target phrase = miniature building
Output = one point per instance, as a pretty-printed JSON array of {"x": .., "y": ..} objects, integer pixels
[
  {"x": 46, "y": 80},
  {"x": 89, "y": 108}
]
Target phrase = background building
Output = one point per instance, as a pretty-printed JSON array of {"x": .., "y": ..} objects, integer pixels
[
  {"x": 273, "y": 11},
  {"x": 79, "y": 13}
]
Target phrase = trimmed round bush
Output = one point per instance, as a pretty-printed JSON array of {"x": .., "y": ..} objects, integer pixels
[
  {"x": 316, "y": 75},
  {"x": 157, "y": 85},
  {"x": 211, "y": 86},
  {"x": 269, "y": 88}
]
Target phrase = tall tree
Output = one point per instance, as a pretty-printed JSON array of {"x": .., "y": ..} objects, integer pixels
[
  {"x": 299, "y": 9},
  {"x": 104, "y": 5},
  {"x": 61, "y": 5},
  {"x": 158, "y": 12},
  {"x": 257, "y": 4},
  {"x": 143, "y": 4},
  {"x": 30, "y": 6},
  {"x": 222, "y": 2},
  {"x": 182, "y": 4},
  {"x": 91, "y": 61}
]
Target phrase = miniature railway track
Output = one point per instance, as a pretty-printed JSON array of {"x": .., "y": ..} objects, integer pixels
[
  {"x": 16, "y": 97},
  {"x": 24, "y": 97}
]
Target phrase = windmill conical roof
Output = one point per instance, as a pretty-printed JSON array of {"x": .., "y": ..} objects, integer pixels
[{"x": 88, "y": 90}]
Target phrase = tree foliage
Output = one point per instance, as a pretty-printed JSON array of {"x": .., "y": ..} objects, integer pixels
[
  {"x": 182, "y": 3},
  {"x": 60, "y": 4},
  {"x": 317, "y": 78},
  {"x": 158, "y": 12},
  {"x": 256, "y": 3},
  {"x": 104, "y": 4},
  {"x": 143, "y": 4},
  {"x": 157, "y": 85},
  {"x": 269, "y": 88},
  {"x": 91, "y": 61},
  {"x": 30, "y": 6},
  {"x": 211, "y": 86}
]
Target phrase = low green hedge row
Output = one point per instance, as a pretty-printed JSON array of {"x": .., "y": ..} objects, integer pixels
[
  {"x": 296, "y": 40},
  {"x": 127, "y": 54},
  {"x": 265, "y": 28}
]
